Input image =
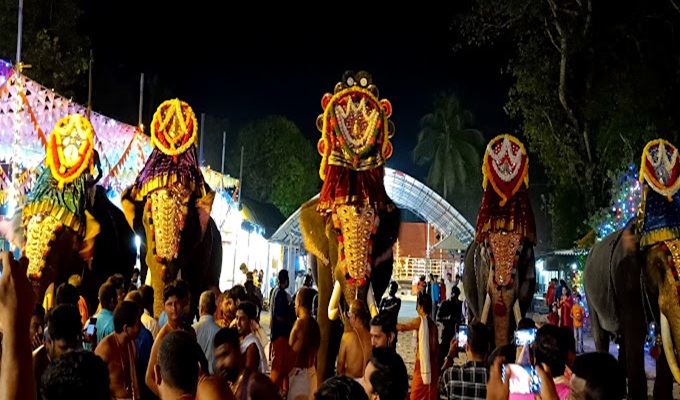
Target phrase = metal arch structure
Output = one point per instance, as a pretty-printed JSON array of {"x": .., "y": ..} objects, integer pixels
[{"x": 407, "y": 193}]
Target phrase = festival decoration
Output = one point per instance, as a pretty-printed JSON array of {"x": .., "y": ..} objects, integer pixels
[
  {"x": 29, "y": 110},
  {"x": 174, "y": 127},
  {"x": 505, "y": 217},
  {"x": 659, "y": 214},
  {"x": 354, "y": 147},
  {"x": 59, "y": 196},
  {"x": 626, "y": 203}
]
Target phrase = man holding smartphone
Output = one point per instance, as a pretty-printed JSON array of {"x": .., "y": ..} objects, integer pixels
[{"x": 469, "y": 380}]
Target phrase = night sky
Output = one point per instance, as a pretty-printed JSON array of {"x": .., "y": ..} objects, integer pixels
[{"x": 245, "y": 60}]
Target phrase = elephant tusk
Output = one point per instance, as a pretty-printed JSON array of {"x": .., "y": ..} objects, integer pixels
[
  {"x": 370, "y": 299},
  {"x": 667, "y": 339},
  {"x": 518, "y": 313},
  {"x": 485, "y": 309},
  {"x": 333, "y": 309}
]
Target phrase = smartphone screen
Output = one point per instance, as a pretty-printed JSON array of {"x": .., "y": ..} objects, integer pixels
[
  {"x": 462, "y": 336},
  {"x": 525, "y": 336},
  {"x": 523, "y": 378},
  {"x": 91, "y": 326}
]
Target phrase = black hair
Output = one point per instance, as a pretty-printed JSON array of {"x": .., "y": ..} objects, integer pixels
[
  {"x": 283, "y": 276},
  {"x": 107, "y": 294},
  {"x": 67, "y": 294},
  {"x": 386, "y": 322},
  {"x": 178, "y": 361},
  {"x": 237, "y": 292},
  {"x": 455, "y": 292},
  {"x": 567, "y": 339},
  {"x": 76, "y": 375},
  {"x": 39, "y": 311},
  {"x": 479, "y": 338},
  {"x": 249, "y": 309},
  {"x": 171, "y": 290},
  {"x": 390, "y": 379},
  {"x": 394, "y": 286},
  {"x": 341, "y": 388},
  {"x": 228, "y": 336},
  {"x": 125, "y": 314},
  {"x": 526, "y": 323},
  {"x": 306, "y": 296},
  {"x": 117, "y": 280},
  {"x": 147, "y": 297},
  {"x": 547, "y": 349},
  {"x": 64, "y": 323},
  {"x": 425, "y": 301},
  {"x": 604, "y": 376},
  {"x": 508, "y": 351}
]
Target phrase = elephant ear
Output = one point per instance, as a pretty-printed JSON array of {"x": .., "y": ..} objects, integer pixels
[
  {"x": 128, "y": 207},
  {"x": 204, "y": 207},
  {"x": 313, "y": 228}
]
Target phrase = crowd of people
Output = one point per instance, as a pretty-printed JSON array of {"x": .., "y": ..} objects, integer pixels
[{"x": 56, "y": 350}]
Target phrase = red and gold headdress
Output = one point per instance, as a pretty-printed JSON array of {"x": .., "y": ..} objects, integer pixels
[
  {"x": 354, "y": 126},
  {"x": 174, "y": 127},
  {"x": 70, "y": 150},
  {"x": 660, "y": 167},
  {"x": 505, "y": 205}
]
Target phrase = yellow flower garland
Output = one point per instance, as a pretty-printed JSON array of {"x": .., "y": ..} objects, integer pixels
[
  {"x": 66, "y": 170},
  {"x": 167, "y": 114}
]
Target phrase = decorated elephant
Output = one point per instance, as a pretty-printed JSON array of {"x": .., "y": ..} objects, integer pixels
[
  {"x": 169, "y": 207},
  {"x": 71, "y": 227},
  {"x": 351, "y": 227},
  {"x": 500, "y": 273},
  {"x": 631, "y": 277}
]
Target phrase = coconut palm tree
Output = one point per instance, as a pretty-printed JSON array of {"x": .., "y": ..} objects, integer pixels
[{"x": 451, "y": 147}]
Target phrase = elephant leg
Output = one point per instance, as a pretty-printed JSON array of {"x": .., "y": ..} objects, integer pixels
[
  {"x": 328, "y": 350},
  {"x": 600, "y": 336},
  {"x": 634, "y": 353},
  {"x": 663, "y": 385}
]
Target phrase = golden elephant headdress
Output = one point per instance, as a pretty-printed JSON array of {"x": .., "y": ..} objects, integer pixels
[
  {"x": 70, "y": 149},
  {"x": 354, "y": 125},
  {"x": 174, "y": 127}
]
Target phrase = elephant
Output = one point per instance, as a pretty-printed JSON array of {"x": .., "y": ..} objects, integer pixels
[
  {"x": 619, "y": 279},
  {"x": 476, "y": 273},
  {"x": 71, "y": 227},
  {"x": 350, "y": 229},
  {"x": 631, "y": 277},
  {"x": 499, "y": 266},
  {"x": 169, "y": 207},
  {"x": 320, "y": 235}
]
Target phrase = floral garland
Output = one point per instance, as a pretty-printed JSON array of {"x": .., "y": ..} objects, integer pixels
[
  {"x": 174, "y": 122},
  {"x": 41, "y": 232},
  {"x": 65, "y": 169}
]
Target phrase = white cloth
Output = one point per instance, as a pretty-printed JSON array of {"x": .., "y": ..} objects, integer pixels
[
  {"x": 424, "y": 350},
  {"x": 449, "y": 285},
  {"x": 302, "y": 384},
  {"x": 252, "y": 339},
  {"x": 206, "y": 329},
  {"x": 150, "y": 323}
]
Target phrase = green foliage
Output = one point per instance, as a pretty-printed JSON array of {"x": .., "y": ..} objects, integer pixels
[
  {"x": 279, "y": 165},
  {"x": 452, "y": 148},
  {"x": 51, "y": 45},
  {"x": 593, "y": 82}
]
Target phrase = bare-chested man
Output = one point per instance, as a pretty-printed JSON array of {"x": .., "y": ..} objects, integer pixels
[
  {"x": 355, "y": 347},
  {"x": 172, "y": 305},
  {"x": 305, "y": 339},
  {"x": 231, "y": 365},
  {"x": 119, "y": 352}
]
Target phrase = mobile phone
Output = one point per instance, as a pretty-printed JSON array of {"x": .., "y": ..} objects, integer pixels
[
  {"x": 523, "y": 378},
  {"x": 462, "y": 336},
  {"x": 90, "y": 326},
  {"x": 525, "y": 336}
]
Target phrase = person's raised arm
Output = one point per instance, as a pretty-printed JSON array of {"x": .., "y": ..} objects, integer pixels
[
  {"x": 17, "y": 302},
  {"x": 411, "y": 326}
]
